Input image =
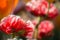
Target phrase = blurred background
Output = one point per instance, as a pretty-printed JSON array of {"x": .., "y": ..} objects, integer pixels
[{"x": 17, "y": 7}]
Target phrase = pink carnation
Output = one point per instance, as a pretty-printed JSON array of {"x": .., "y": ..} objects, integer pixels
[
  {"x": 14, "y": 24},
  {"x": 45, "y": 27}
]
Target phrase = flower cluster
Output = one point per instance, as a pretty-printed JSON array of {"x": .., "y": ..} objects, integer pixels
[
  {"x": 14, "y": 24},
  {"x": 42, "y": 8}
]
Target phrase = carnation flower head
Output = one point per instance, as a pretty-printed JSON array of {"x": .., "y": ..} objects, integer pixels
[{"x": 45, "y": 27}]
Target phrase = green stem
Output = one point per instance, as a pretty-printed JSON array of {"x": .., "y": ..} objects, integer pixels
[{"x": 13, "y": 35}]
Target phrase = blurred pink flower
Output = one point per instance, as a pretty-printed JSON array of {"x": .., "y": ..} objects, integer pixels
[{"x": 45, "y": 27}]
